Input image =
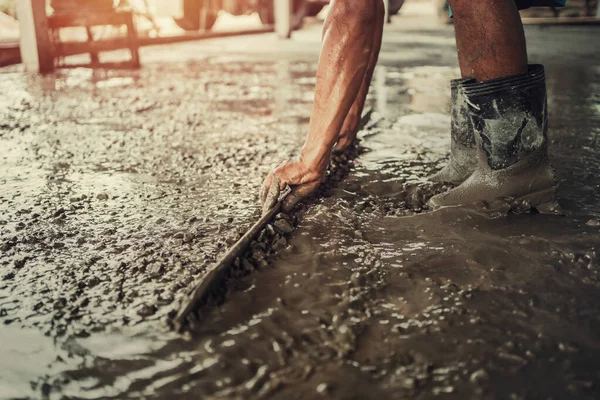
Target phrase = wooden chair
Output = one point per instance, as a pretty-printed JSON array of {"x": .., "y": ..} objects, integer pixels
[{"x": 88, "y": 20}]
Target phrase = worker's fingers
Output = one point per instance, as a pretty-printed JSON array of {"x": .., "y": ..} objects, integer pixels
[
  {"x": 272, "y": 195},
  {"x": 264, "y": 189},
  {"x": 298, "y": 193},
  {"x": 290, "y": 202}
]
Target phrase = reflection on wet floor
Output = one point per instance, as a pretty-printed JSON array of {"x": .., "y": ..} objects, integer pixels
[
  {"x": 373, "y": 298},
  {"x": 378, "y": 304}
]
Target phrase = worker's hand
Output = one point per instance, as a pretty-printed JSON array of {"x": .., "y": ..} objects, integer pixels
[{"x": 302, "y": 179}]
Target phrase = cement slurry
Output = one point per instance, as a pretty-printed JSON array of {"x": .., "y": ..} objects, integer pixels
[{"x": 118, "y": 188}]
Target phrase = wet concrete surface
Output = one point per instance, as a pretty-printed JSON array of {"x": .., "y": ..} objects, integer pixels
[{"x": 119, "y": 188}]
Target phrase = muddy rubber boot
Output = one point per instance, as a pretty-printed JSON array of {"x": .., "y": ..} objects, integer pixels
[
  {"x": 509, "y": 119},
  {"x": 463, "y": 156}
]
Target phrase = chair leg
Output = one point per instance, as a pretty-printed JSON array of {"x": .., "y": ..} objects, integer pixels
[
  {"x": 55, "y": 40},
  {"x": 93, "y": 55},
  {"x": 133, "y": 42},
  {"x": 37, "y": 53}
]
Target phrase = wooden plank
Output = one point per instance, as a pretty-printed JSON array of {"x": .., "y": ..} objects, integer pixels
[
  {"x": 214, "y": 277},
  {"x": 105, "y": 65},
  {"x": 9, "y": 44},
  {"x": 71, "y": 49},
  {"x": 66, "y": 49},
  {"x": 9, "y": 53},
  {"x": 83, "y": 19},
  {"x": 190, "y": 36}
]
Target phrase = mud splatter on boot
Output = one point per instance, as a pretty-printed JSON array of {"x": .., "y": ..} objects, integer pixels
[
  {"x": 463, "y": 156},
  {"x": 509, "y": 118}
]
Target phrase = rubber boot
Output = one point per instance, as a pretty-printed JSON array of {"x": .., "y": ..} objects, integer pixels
[
  {"x": 463, "y": 156},
  {"x": 509, "y": 119}
]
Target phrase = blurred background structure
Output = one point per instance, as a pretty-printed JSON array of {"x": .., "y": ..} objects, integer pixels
[{"x": 52, "y": 30}]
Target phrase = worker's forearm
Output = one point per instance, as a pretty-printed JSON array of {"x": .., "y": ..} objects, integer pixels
[
  {"x": 353, "y": 117},
  {"x": 359, "y": 102},
  {"x": 347, "y": 47}
]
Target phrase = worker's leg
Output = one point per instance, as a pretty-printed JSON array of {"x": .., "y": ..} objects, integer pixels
[
  {"x": 350, "y": 126},
  {"x": 489, "y": 38},
  {"x": 491, "y": 44},
  {"x": 506, "y": 106}
]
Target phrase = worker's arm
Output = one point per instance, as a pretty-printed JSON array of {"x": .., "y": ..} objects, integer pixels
[
  {"x": 352, "y": 121},
  {"x": 347, "y": 48}
]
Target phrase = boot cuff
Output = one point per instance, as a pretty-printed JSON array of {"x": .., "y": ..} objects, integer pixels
[
  {"x": 454, "y": 83},
  {"x": 532, "y": 77}
]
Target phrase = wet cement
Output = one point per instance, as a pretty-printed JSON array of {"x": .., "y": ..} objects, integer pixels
[{"x": 119, "y": 188}]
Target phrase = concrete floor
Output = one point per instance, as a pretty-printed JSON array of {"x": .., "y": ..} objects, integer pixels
[{"x": 119, "y": 187}]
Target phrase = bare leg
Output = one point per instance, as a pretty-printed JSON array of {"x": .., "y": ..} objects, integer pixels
[
  {"x": 350, "y": 126},
  {"x": 489, "y": 38}
]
